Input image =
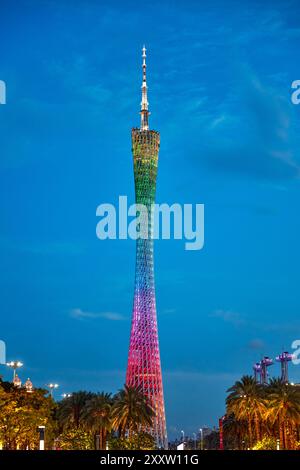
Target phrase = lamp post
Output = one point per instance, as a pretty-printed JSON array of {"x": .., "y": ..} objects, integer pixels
[
  {"x": 66, "y": 395},
  {"x": 182, "y": 436},
  {"x": 52, "y": 387},
  {"x": 195, "y": 440},
  {"x": 14, "y": 365},
  {"x": 41, "y": 430},
  {"x": 277, "y": 444},
  {"x": 201, "y": 438},
  {"x": 221, "y": 435}
]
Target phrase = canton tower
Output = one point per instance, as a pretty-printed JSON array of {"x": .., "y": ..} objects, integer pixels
[{"x": 143, "y": 368}]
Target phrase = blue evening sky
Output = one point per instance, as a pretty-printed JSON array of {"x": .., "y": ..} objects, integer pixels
[{"x": 219, "y": 76}]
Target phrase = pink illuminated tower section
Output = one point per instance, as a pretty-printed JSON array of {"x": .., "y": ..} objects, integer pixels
[{"x": 144, "y": 369}]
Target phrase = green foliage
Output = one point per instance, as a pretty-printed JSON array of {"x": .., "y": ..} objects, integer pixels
[
  {"x": 73, "y": 423},
  {"x": 97, "y": 416},
  {"x": 21, "y": 414},
  {"x": 71, "y": 409},
  {"x": 139, "y": 441},
  {"x": 266, "y": 443},
  {"x": 117, "y": 443},
  {"x": 75, "y": 439},
  {"x": 144, "y": 441},
  {"x": 253, "y": 411},
  {"x": 130, "y": 411}
]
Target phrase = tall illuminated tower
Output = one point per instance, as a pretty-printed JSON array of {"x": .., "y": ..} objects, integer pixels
[{"x": 143, "y": 369}]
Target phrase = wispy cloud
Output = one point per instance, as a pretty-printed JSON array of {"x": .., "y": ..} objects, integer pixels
[
  {"x": 77, "y": 75},
  {"x": 80, "y": 314},
  {"x": 235, "y": 318},
  {"x": 92, "y": 373},
  {"x": 241, "y": 320},
  {"x": 168, "y": 311},
  {"x": 217, "y": 121},
  {"x": 59, "y": 248},
  {"x": 258, "y": 140},
  {"x": 251, "y": 132},
  {"x": 256, "y": 344}
]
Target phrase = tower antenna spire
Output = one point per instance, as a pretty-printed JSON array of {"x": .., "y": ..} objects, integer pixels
[{"x": 144, "y": 103}]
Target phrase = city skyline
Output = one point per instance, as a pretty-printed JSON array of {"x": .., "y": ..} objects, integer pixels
[{"x": 221, "y": 88}]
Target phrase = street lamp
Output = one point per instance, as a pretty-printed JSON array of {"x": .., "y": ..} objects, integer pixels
[
  {"x": 201, "y": 438},
  {"x": 195, "y": 440},
  {"x": 182, "y": 434},
  {"x": 41, "y": 430},
  {"x": 52, "y": 387},
  {"x": 14, "y": 365},
  {"x": 66, "y": 395}
]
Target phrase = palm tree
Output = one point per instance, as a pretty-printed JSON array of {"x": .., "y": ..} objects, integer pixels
[
  {"x": 234, "y": 432},
  {"x": 70, "y": 409},
  {"x": 97, "y": 415},
  {"x": 131, "y": 411},
  {"x": 246, "y": 402},
  {"x": 284, "y": 410}
]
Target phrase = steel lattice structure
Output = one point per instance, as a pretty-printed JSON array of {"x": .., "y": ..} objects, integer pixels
[{"x": 144, "y": 369}]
